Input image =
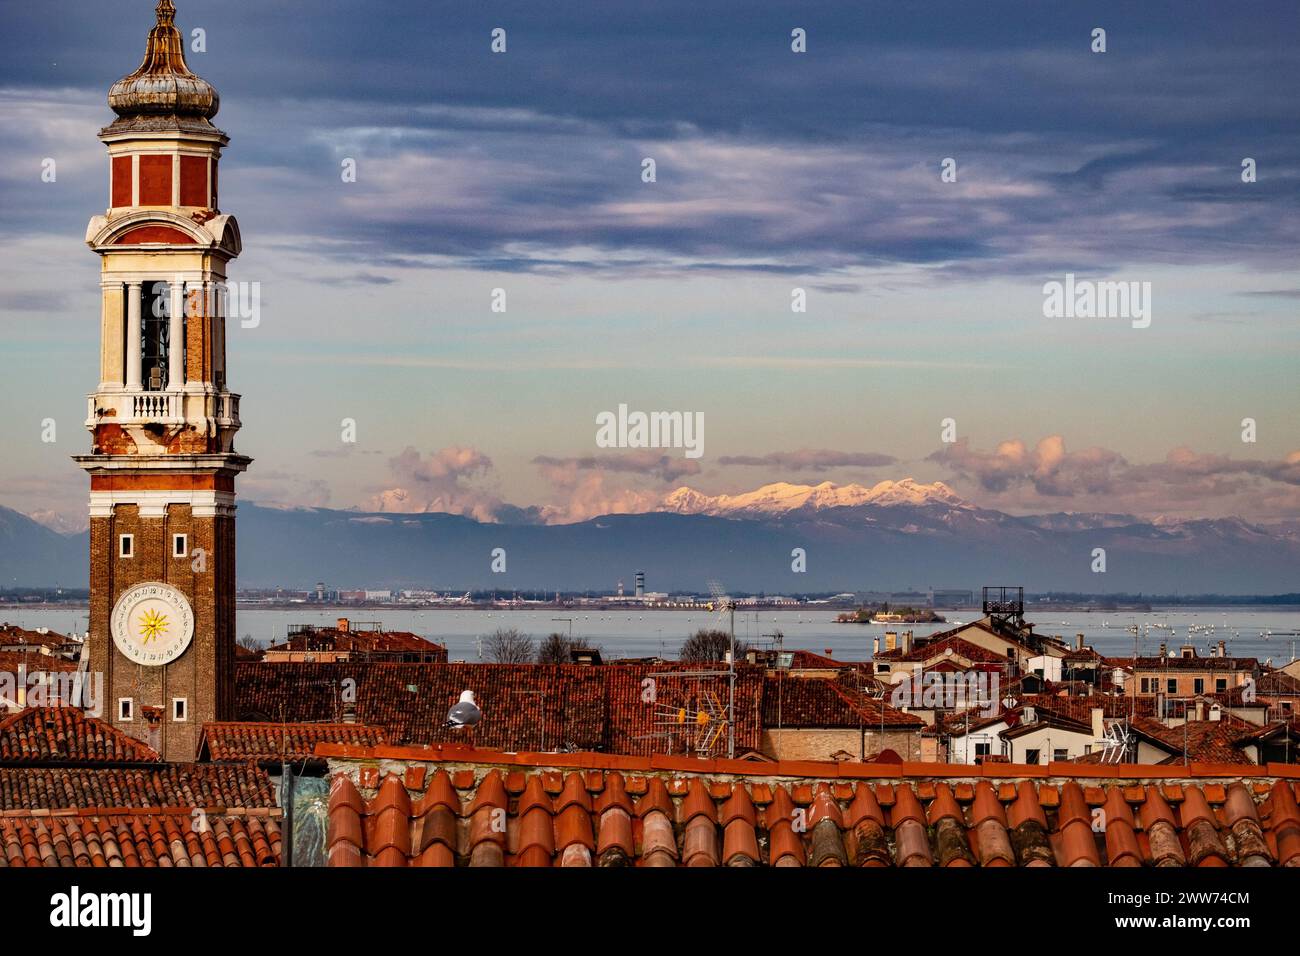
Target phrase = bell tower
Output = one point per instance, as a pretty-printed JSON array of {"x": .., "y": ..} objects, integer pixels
[{"x": 163, "y": 464}]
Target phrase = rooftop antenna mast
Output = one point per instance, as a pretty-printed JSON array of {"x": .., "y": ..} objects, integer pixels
[
  {"x": 701, "y": 717},
  {"x": 723, "y": 603}
]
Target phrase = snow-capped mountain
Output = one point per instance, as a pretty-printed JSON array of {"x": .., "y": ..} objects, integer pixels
[
  {"x": 894, "y": 535},
  {"x": 782, "y": 497}
]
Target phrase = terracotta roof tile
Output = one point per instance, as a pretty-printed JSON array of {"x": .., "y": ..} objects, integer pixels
[
  {"x": 266, "y": 741},
  {"x": 615, "y": 841},
  {"x": 658, "y": 843},
  {"x": 139, "y": 838},
  {"x": 719, "y": 823},
  {"x": 944, "y": 805},
  {"x": 66, "y": 735},
  {"x": 362, "y": 643},
  {"x": 906, "y": 807},
  {"x": 614, "y": 794},
  {"x": 656, "y": 798},
  {"x": 167, "y": 785},
  {"x": 864, "y": 807},
  {"x": 738, "y": 805},
  {"x": 791, "y": 701},
  {"x": 740, "y": 843}
]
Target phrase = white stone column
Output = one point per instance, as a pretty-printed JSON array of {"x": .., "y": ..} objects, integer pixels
[
  {"x": 176, "y": 337},
  {"x": 133, "y": 335},
  {"x": 218, "y": 320}
]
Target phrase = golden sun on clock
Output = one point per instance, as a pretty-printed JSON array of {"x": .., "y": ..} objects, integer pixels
[{"x": 152, "y": 624}]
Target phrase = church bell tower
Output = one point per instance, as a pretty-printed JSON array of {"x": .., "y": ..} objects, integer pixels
[{"x": 163, "y": 464}]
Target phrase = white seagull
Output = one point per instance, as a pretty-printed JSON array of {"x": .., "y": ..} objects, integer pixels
[{"x": 464, "y": 713}]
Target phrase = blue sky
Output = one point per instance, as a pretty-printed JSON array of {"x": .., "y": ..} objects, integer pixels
[{"x": 775, "y": 170}]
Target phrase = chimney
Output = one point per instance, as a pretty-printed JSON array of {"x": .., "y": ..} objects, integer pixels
[
  {"x": 891, "y": 640},
  {"x": 343, "y": 625},
  {"x": 1216, "y": 712},
  {"x": 1200, "y": 710},
  {"x": 1078, "y": 642},
  {"x": 1098, "y": 723},
  {"x": 1030, "y": 716},
  {"x": 907, "y": 642},
  {"x": 1223, "y": 649},
  {"x": 830, "y": 651},
  {"x": 349, "y": 712},
  {"x": 875, "y": 645},
  {"x": 1164, "y": 649}
]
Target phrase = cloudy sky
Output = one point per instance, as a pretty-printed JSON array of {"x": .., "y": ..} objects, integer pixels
[{"x": 775, "y": 170}]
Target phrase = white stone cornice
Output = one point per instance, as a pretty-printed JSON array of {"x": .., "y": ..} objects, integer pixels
[
  {"x": 179, "y": 463},
  {"x": 153, "y": 503}
]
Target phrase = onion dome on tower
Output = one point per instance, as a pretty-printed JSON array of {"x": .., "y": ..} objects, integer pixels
[{"x": 162, "y": 92}]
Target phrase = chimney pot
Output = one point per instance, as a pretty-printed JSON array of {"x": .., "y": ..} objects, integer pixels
[{"x": 343, "y": 624}]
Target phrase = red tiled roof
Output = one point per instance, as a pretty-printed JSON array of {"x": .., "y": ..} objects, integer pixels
[
  {"x": 1289, "y": 727},
  {"x": 1080, "y": 707},
  {"x": 13, "y": 634},
  {"x": 1019, "y": 726},
  {"x": 172, "y": 785},
  {"x": 1275, "y": 684},
  {"x": 462, "y": 807},
  {"x": 131, "y": 838},
  {"x": 525, "y": 706},
  {"x": 1204, "y": 740},
  {"x": 331, "y": 639},
  {"x": 1072, "y": 707},
  {"x": 34, "y": 663},
  {"x": 959, "y": 646},
  {"x": 226, "y": 741},
  {"x": 796, "y": 702},
  {"x": 44, "y": 735},
  {"x": 807, "y": 660}
]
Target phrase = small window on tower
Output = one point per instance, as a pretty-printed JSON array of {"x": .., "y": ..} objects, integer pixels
[
  {"x": 125, "y": 708},
  {"x": 180, "y": 546},
  {"x": 126, "y": 546},
  {"x": 180, "y": 709}
]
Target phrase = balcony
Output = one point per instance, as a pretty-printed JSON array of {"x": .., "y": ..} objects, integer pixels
[
  {"x": 154, "y": 407},
  {"x": 164, "y": 408}
]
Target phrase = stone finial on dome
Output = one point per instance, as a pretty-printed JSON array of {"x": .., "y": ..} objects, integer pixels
[{"x": 163, "y": 85}]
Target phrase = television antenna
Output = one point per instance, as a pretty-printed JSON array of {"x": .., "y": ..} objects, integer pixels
[
  {"x": 723, "y": 604},
  {"x": 1115, "y": 743},
  {"x": 700, "y": 715}
]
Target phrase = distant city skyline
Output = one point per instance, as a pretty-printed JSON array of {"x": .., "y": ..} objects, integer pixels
[{"x": 775, "y": 171}]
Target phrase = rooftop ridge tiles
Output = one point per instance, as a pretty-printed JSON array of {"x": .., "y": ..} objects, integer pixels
[{"x": 819, "y": 770}]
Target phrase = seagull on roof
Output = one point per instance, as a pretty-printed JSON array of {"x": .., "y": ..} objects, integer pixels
[{"x": 464, "y": 713}]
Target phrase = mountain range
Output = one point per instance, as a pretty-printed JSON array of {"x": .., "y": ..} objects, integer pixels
[{"x": 894, "y": 535}]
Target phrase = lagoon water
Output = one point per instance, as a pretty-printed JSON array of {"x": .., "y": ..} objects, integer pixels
[{"x": 1266, "y": 633}]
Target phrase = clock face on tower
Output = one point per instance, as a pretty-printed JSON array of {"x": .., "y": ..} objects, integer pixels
[{"x": 152, "y": 624}]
